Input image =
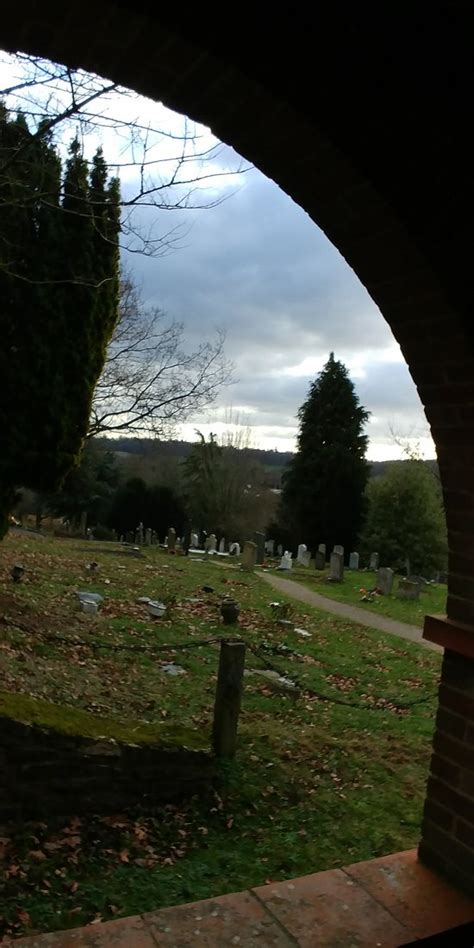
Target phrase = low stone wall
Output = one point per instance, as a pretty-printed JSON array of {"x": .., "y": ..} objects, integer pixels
[{"x": 43, "y": 771}]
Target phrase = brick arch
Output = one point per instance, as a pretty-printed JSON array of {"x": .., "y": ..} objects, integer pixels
[{"x": 361, "y": 120}]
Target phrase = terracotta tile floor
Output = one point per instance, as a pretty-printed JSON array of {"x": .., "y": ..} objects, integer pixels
[{"x": 382, "y": 903}]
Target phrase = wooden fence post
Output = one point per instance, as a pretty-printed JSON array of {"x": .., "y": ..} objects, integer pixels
[{"x": 228, "y": 697}]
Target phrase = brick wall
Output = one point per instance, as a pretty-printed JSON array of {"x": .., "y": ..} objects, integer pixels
[
  {"x": 448, "y": 825},
  {"x": 43, "y": 772}
]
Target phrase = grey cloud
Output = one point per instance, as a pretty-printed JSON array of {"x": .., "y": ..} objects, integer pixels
[{"x": 258, "y": 267}]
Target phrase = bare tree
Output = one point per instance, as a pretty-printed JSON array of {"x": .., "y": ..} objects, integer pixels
[
  {"x": 159, "y": 169},
  {"x": 151, "y": 382}
]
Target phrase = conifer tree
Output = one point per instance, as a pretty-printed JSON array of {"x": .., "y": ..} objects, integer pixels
[
  {"x": 323, "y": 497},
  {"x": 58, "y": 303}
]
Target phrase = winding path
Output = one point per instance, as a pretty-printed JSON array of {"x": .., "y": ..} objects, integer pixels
[{"x": 346, "y": 611}]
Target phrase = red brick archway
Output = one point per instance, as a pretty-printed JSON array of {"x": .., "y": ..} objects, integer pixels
[{"x": 364, "y": 123}]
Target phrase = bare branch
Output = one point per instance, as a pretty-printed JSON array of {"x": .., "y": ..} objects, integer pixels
[{"x": 150, "y": 382}]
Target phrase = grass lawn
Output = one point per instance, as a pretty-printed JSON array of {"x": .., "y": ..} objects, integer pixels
[
  {"x": 316, "y": 783},
  {"x": 432, "y": 598}
]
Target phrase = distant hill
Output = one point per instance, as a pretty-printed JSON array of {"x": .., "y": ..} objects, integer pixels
[
  {"x": 274, "y": 462},
  {"x": 145, "y": 447}
]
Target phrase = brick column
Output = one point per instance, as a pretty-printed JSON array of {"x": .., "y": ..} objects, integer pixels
[{"x": 447, "y": 843}]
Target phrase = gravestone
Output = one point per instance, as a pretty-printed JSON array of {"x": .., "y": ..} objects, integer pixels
[
  {"x": 319, "y": 560},
  {"x": 222, "y": 545},
  {"x": 270, "y": 547},
  {"x": 338, "y": 549},
  {"x": 336, "y": 568},
  {"x": 259, "y": 540},
  {"x": 384, "y": 580},
  {"x": 194, "y": 541},
  {"x": 354, "y": 561},
  {"x": 171, "y": 540},
  {"x": 148, "y": 536},
  {"x": 139, "y": 534},
  {"x": 234, "y": 549},
  {"x": 211, "y": 543},
  {"x": 408, "y": 589},
  {"x": 286, "y": 561},
  {"x": 280, "y": 550},
  {"x": 304, "y": 555},
  {"x": 374, "y": 561},
  {"x": 249, "y": 556}
]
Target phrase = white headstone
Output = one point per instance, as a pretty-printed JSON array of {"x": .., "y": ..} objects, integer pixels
[
  {"x": 338, "y": 549},
  {"x": 194, "y": 541},
  {"x": 270, "y": 547},
  {"x": 280, "y": 550},
  {"x": 304, "y": 555},
  {"x": 354, "y": 561},
  {"x": 222, "y": 545},
  {"x": 210, "y": 545},
  {"x": 286, "y": 561},
  {"x": 234, "y": 549}
]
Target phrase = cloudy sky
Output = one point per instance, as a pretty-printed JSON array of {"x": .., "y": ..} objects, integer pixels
[{"x": 256, "y": 266}]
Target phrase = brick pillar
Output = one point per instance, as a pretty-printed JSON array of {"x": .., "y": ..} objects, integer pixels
[{"x": 447, "y": 843}]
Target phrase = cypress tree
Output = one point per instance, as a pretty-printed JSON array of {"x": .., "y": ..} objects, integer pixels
[
  {"x": 59, "y": 302},
  {"x": 323, "y": 497}
]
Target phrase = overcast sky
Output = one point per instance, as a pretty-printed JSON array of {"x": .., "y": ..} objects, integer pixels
[{"x": 259, "y": 268}]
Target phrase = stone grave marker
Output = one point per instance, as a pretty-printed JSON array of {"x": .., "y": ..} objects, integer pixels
[
  {"x": 336, "y": 568},
  {"x": 286, "y": 561},
  {"x": 211, "y": 543},
  {"x": 407, "y": 589},
  {"x": 270, "y": 547},
  {"x": 374, "y": 561},
  {"x": 354, "y": 561},
  {"x": 194, "y": 541},
  {"x": 249, "y": 556},
  {"x": 148, "y": 536},
  {"x": 279, "y": 550},
  {"x": 234, "y": 549},
  {"x": 259, "y": 540},
  {"x": 222, "y": 545},
  {"x": 339, "y": 549},
  {"x": 320, "y": 557},
  {"x": 385, "y": 580},
  {"x": 304, "y": 555},
  {"x": 171, "y": 540}
]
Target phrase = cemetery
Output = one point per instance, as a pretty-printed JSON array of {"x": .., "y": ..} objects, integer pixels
[
  {"x": 333, "y": 740},
  {"x": 223, "y": 679},
  {"x": 403, "y": 599}
]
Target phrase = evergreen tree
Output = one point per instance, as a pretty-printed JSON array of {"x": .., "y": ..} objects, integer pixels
[
  {"x": 86, "y": 495},
  {"x": 323, "y": 498},
  {"x": 405, "y": 521},
  {"x": 58, "y": 303},
  {"x": 157, "y": 506}
]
